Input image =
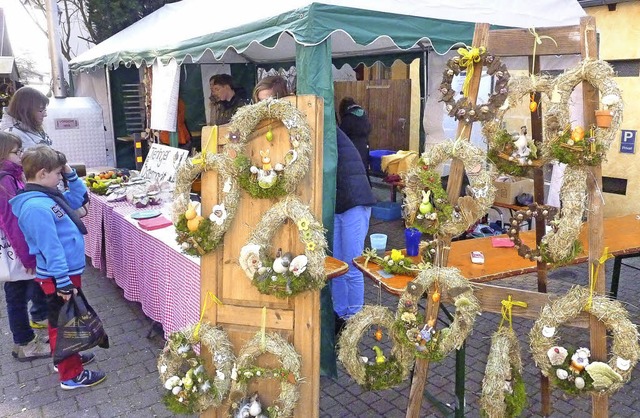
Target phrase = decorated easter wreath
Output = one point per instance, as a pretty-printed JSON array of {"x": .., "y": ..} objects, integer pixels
[
  {"x": 570, "y": 145},
  {"x": 426, "y": 203},
  {"x": 572, "y": 371},
  {"x": 198, "y": 235},
  {"x": 560, "y": 245},
  {"x": 285, "y": 275},
  {"x": 462, "y": 109},
  {"x": 468, "y": 209},
  {"x": 503, "y": 371},
  {"x": 419, "y": 335},
  {"x": 190, "y": 389},
  {"x": 394, "y": 263},
  {"x": 271, "y": 179},
  {"x": 384, "y": 372},
  {"x": 288, "y": 374},
  {"x": 501, "y": 143}
]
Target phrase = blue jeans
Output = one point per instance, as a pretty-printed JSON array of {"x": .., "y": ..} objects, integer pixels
[
  {"x": 18, "y": 295},
  {"x": 349, "y": 232}
]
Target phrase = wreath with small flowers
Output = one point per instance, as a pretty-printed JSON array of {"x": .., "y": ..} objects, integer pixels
[
  {"x": 189, "y": 387},
  {"x": 285, "y": 274}
]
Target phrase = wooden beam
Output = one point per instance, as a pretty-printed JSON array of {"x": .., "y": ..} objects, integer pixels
[{"x": 512, "y": 42}]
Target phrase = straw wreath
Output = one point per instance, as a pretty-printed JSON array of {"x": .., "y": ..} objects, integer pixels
[
  {"x": 296, "y": 162},
  {"x": 503, "y": 370},
  {"x": 304, "y": 272},
  {"x": 499, "y": 140},
  {"x": 573, "y": 372},
  {"x": 289, "y": 373},
  {"x": 462, "y": 109},
  {"x": 468, "y": 209},
  {"x": 195, "y": 391},
  {"x": 211, "y": 229},
  {"x": 558, "y": 142},
  {"x": 384, "y": 372},
  {"x": 418, "y": 333}
]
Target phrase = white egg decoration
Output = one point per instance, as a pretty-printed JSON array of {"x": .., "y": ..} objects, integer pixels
[
  {"x": 623, "y": 364},
  {"x": 548, "y": 331},
  {"x": 579, "y": 382},
  {"x": 562, "y": 374}
]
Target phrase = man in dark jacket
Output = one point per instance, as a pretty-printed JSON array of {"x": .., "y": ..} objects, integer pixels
[
  {"x": 355, "y": 123},
  {"x": 224, "y": 100},
  {"x": 354, "y": 199}
]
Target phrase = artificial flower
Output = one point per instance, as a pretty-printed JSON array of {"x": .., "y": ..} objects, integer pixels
[
  {"x": 218, "y": 214},
  {"x": 303, "y": 224},
  {"x": 311, "y": 246}
]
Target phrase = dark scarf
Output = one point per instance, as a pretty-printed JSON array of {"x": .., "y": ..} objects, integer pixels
[{"x": 57, "y": 197}]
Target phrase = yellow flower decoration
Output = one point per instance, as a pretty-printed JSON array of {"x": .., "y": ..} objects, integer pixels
[
  {"x": 311, "y": 246},
  {"x": 303, "y": 224},
  {"x": 307, "y": 235},
  {"x": 396, "y": 255}
]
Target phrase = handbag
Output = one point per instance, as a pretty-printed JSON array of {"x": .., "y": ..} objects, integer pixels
[
  {"x": 79, "y": 328},
  {"x": 11, "y": 268}
]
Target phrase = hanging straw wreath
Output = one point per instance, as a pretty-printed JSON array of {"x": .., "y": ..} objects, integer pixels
[
  {"x": 572, "y": 370},
  {"x": 462, "y": 109},
  {"x": 468, "y": 209},
  {"x": 560, "y": 245},
  {"x": 383, "y": 372},
  {"x": 502, "y": 149},
  {"x": 569, "y": 145},
  {"x": 269, "y": 179},
  {"x": 190, "y": 389},
  {"x": 196, "y": 234},
  {"x": 285, "y": 274},
  {"x": 288, "y": 374},
  {"x": 419, "y": 335}
]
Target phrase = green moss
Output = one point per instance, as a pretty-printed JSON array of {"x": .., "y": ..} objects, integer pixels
[
  {"x": 431, "y": 181},
  {"x": 431, "y": 349},
  {"x": 580, "y": 152},
  {"x": 282, "y": 285},
  {"x": 568, "y": 385},
  {"x": 517, "y": 400},
  {"x": 384, "y": 375},
  {"x": 502, "y": 143},
  {"x": 202, "y": 236},
  {"x": 249, "y": 184},
  {"x": 576, "y": 249}
]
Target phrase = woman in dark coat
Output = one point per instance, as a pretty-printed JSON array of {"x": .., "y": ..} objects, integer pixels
[{"x": 355, "y": 123}]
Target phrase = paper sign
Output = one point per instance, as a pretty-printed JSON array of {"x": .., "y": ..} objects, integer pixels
[
  {"x": 628, "y": 142},
  {"x": 162, "y": 162}
]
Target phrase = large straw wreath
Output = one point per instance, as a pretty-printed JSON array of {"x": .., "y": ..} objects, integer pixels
[
  {"x": 210, "y": 230},
  {"x": 288, "y": 374},
  {"x": 190, "y": 388},
  {"x": 278, "y": 276},
  {"x": 467, "y": 209},
  {"x": 383, "y": 372},
  {"x": 560, "y": 144},
  {"x": 283, "y": 177},
  {"x": 572, "y": 371},
  {"x": 418, "y": 333}
]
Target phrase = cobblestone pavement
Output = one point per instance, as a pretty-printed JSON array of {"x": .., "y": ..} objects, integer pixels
[{"x": 132, "y": 388}]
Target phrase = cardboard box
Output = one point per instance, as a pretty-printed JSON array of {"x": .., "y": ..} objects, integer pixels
[
  {"x": 506, "y": 191},
  {"x": 399, "y": 162}
]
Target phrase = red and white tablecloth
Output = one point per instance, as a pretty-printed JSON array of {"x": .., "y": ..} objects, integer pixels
[{"x": 147, "y": 265}]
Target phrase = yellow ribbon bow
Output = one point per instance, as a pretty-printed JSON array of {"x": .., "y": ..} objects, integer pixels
[
  {"x": 214, "y": 298},
  {"x": 593, "y": 274},
  {"x": 507, "y": 306},
  {"x": 201, "y": 159},
  {"x": 470, "y": 57}
]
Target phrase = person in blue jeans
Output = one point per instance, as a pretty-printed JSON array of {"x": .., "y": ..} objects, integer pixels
[
  {"x": 354, "y": 199},
  {"x": 20, "y": 288}
]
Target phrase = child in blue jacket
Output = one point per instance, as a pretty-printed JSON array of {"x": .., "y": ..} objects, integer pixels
[{"x": 54, "y": 233}]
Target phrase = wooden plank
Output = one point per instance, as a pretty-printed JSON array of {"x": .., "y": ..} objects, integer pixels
[
  {"x": 252, "y": 316},
  {"x": 513, "y": 42}
]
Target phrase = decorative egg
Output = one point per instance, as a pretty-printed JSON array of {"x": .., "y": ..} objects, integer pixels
[
  {"x": 577, "y": 134},
  {"x": 562, "y": 374},
  {"x": 548, "y": 331},
  {"x": 579, "y": 382},
  {"x": 269, "y": 135},
  {"x": 533, "y": 106},
  {"x": 623, "y": 364}
]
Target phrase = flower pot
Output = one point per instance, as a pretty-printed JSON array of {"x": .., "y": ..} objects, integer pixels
[{"x": 603, "y": 118}]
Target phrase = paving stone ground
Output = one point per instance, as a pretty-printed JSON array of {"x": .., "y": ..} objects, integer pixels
[{"x": 132, "y": 389}]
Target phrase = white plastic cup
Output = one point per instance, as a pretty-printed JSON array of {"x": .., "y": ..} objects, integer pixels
[{"x": 379, "y": 243}]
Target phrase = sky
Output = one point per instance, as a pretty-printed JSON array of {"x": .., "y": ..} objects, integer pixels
[{"x": 26, "y": 39}]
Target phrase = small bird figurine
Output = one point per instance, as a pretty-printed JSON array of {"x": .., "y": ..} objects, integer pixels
[
  {"x": 380, "y": 358},
  {"x": 282, "y": 261}
]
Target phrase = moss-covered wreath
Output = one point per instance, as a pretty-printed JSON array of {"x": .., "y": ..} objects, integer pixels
[
  {"x": 207, "y": 232},
  {"x": 503, "y": 388},
  {"x": 569, "y": 145},
  {"x": 383, "y": 372},
  {"x": 190, "y": 388},
  {"x": 270, "y": 179},
  {"x": 285, "y": 275},
  {"x": 462, "y": 109},
  {"x": 419, "y": 334},
  {"x": 572, "y": 371},
  {"x": 288, "y": 374},
  {"x": 468, "y": 209}
]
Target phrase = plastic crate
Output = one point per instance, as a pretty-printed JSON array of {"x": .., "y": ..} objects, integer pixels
[
  {"x": 375, "y": 159},
  {"x": 387, "y": 211}
]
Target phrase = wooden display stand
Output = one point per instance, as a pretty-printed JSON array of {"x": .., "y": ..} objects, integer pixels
[
  {"x": 297, "y": 319},
  {"x": 580, "y": 39}
]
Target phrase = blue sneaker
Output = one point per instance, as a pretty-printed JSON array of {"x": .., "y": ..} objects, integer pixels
[
  {"x": 85, "y": 357},
  {"x": 84, "y": 380}
]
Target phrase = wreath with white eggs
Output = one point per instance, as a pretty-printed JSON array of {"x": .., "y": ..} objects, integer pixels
[
  {"x": 285, "y": 275},
  {"x": 288, "y": 375},
  {"x": 270, "y": 179},
  {"x": 467, "y": 209},
  {"x": 384, "y": 372},
  {"x": 572, "y": 371},
  {"x": 198, "y": 235},
  {"x": 190, "y": 389},
  {"x": 419, "y": 334}
]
